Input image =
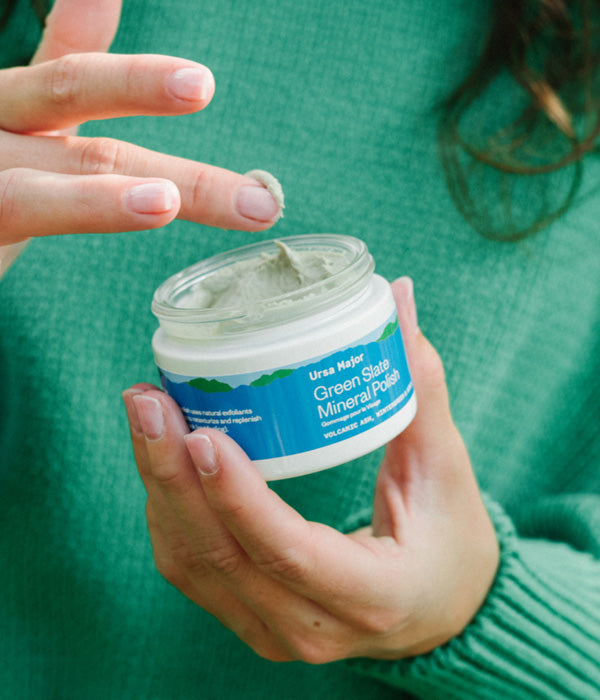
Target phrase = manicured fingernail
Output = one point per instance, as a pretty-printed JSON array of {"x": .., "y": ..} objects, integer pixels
[
  {"x": 257, "y": 203},
  {"x": 194, "y": 84},
  {"x": 152, "y": 197},
  {"x": 269, "y": 181},
  {"x": 132, "y": 414},
  {"x": 150, "y": 414},
  {"x": 408, "y": 294},
  {"x": 203, "y": 453}
]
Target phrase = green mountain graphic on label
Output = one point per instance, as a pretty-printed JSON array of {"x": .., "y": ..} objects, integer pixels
[
  {"x": 268, "y": 378},
  {"x": 388, "y": 331},
  {"x": 209, "y": 386}
]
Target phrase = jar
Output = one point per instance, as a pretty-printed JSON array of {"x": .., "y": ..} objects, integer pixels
[{"x": 304, "y": 380}]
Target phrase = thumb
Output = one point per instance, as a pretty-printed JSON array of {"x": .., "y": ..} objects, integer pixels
[
  {"x": 430, "y": 452},
  {"x": 433, "y": 414},
  {"x": 77, "y": 26}
]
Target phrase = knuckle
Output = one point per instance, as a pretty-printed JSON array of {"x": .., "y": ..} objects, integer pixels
[
  {"x": 165, "y": 564},
  {"x": 174, "y": 558},
  {"x": 169, "y": 570},
  {"x": 377, "y": 623},
  {"x": 261, "y": 640},
  {"x": 131, "y": 75},
  {"x": 227, "y": 510},
  {"x": 167, "y": 567},
  {"x": 223, "y": 558},
  {"x": 288, "y": 565},
  {"x": 183, "y": 562},
  {"x": 314, "y": 652},
  {"x": 101, "y": 156},
  {"x": 65, "y": 80},
  {"x": 270, "y": 652},
  {"x": 166, "y": 475},
  {"x": 201, "y": 187}
]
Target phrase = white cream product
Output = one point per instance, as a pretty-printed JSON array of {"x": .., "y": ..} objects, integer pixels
[{"x": 291, "y": 347}]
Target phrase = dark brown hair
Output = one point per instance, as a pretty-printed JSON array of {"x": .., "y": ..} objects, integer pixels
[
  {"x": 541, "y": 57},
  {"x": 40, "y": 7}
]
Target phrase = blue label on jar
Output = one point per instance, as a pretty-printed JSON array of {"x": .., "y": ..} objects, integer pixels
[{"x": 302, "y": 407}]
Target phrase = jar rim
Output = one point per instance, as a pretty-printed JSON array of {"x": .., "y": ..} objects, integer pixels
[{"x": 290, "y": 306}]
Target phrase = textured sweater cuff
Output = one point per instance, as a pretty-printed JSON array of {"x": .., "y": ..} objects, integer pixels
[{"x": 532, "y": 638}]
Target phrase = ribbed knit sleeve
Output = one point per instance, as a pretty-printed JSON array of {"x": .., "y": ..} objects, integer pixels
[{"x": 538, "y": 633}]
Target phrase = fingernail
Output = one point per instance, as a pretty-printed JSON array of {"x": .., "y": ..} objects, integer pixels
[
  {"x": 257, "y": 203},
  {"x": 203, "y": 453},
  {"x": 152, "y": 197},
  {"x": 194, "y": 84},
  {"x": 271, "y": 183},
  {"x": 150, "y": 414},
  {"x": 405, "y": 284},
  {"x": 132, "y": 414}
]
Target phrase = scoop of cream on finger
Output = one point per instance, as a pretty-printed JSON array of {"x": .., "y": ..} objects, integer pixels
[{"x": 272, "y": 184}]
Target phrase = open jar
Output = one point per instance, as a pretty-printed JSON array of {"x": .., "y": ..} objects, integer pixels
[{"x": 306, "y": 370}]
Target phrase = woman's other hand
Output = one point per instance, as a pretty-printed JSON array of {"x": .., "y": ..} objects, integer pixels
[{"x": 53, "y": 182}]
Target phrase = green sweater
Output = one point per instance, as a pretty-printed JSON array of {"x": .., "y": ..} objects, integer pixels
[{"x": 338, "y": 101}]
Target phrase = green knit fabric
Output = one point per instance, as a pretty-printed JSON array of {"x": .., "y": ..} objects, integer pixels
[{"x": 338, "y": 101}]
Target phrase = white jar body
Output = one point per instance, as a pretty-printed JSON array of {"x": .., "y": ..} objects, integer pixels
[{"x": 301, "y": 396}]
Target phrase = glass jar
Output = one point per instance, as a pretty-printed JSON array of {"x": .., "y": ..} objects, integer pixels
[{"x": 303, "y": 380}]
